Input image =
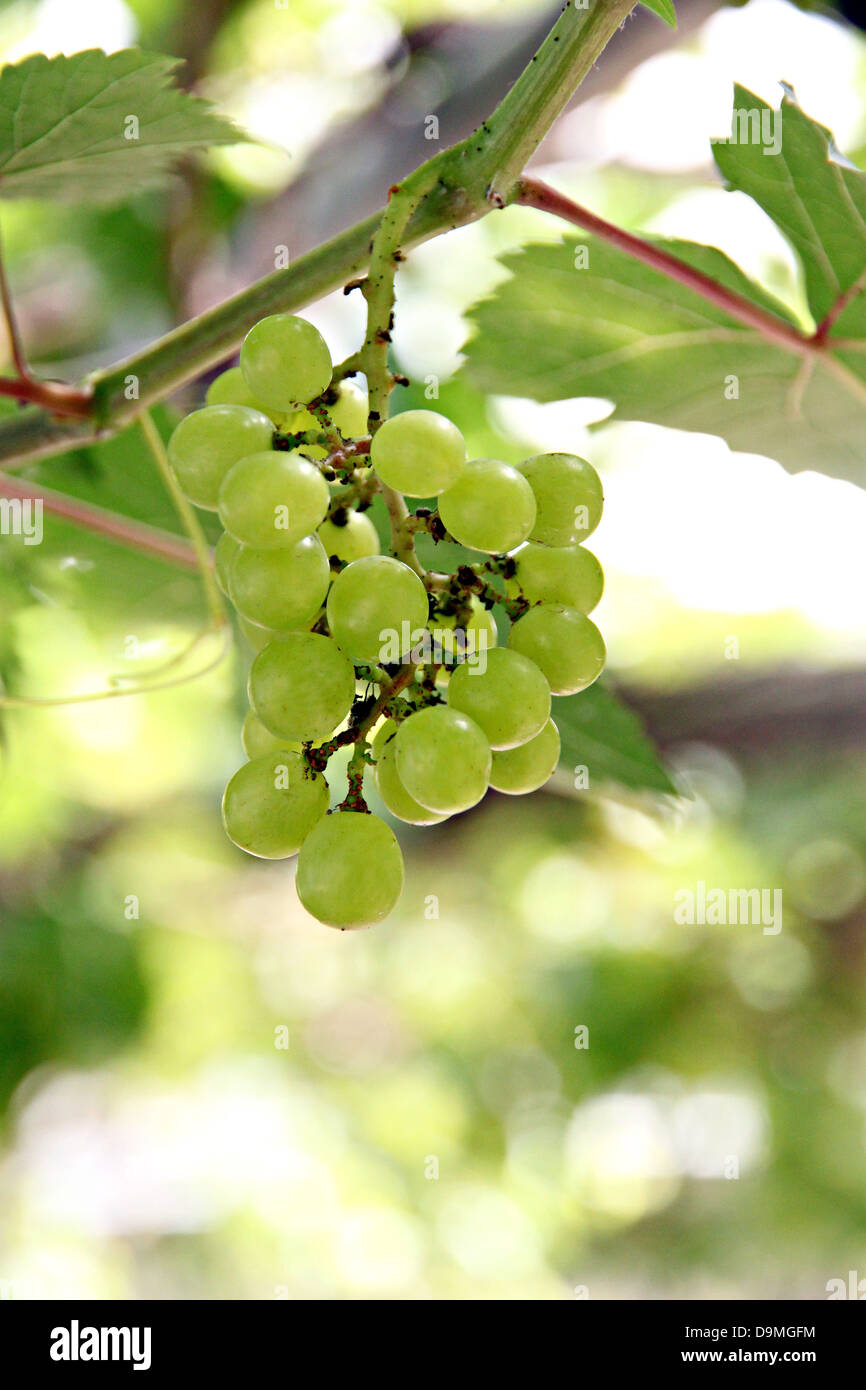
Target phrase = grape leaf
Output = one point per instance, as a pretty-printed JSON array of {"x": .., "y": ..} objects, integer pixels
[
  {"x": 600, "y": 733},
  {"x": 605, "y": 324},
  {"x": 664, "y": 9},
  {"x": 98, "y": 126}
]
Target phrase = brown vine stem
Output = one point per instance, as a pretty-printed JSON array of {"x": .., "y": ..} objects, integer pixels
[{"x": 533, "y": 193}]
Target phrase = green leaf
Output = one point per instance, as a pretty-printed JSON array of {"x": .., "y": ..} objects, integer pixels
[
  {"x": 816, "y": 200},
  {"x": 664, "y": 9},
  {"x": 98, "y": 126},
  {"x": 601, "y": 734}
]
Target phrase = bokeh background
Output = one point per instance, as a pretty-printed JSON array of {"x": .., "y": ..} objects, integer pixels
[{"x": 206, "y": 1094}]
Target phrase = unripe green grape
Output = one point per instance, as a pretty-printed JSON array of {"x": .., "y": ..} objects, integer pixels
[
  {"x": 558, "y": 574},
  {"x": 354, "y": 540},
  {"x": 257, "y": 740},
  {"x": 303, "y": 422},
  {"x": 419, "y": 452},
  {"x": 208, "y": 442},
  {"x": 390, "y": 788},
  {"x": 565, "y": 643},
  {"x": 443, "y": 759},
  {"x": 272, "y": 804},
  {"x": 506, "y": 695},
  {"x": 302, "y": 686},
  {"x": 350, "y": 870},
  {"x": 258, "y": 637},
  {"x": 285, "y": 361},
  {"x": 525, "y": 769},
  {"x": 230, "y": 388},
  {"x": 491, "y": 507},
  {"x": 471, "y": 635},
  {"x": 224, "y": 555},
  {"x": 270, "y": 500},
  {"x": 281, "y": 589},
  {"x": 350, "y": 410},
  {"x": 568, "y": 497},
  {"x": 375, "y": 607}
]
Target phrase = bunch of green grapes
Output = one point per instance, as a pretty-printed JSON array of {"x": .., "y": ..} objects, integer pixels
[{"x": 356, "y": 649}]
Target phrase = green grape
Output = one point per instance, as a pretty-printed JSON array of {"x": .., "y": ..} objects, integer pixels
[
  {"x": 353, "y": 539},
  {"x": 224, "y": 555},
  {"x": 257, "y": 740},
  {"x": 272, "y": 804},
  {"x": 270, "y": 500},
  {"x": 505, "y": 694},
  {"x": 561, "y": 574},
  {"x": 230, "y": 388},
  {"x": 350, "y": 870},
  {"x": 491, "y": 507},
  {"x": 208, "y": 442},
  {"x": 259, "y": 637},
  {"x": 419, "y": 453},
  {"x": 375, "y": 608},
  {"x": 391, "y": 789},
  {"x": 525, "y": 769},
  {"x": 303, "y": 422},
  {"x": 469, "y": 637},
  {"x": 565, "y": 643},
  {"x": 349, "y": 412},
  {"x": 281, "y": 589},
  {"x": 443, "y": 759},
  {"x": 568, "y": 497},
  {"x": 302, "y": 687},
  {"x": 285, "y": 361}
]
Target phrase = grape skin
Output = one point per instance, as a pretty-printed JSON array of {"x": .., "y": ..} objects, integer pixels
[
  {"x": 349, "y": 412},
  {"x": 271, "y": 804},
  {"x": 230, "y": 388},
  {"x": 257, "y": 740},
  {"x": 518, "y": 771},
  {"x": 390, "y": 788},
  {"x": 443, "y": 759},
  {"x": 270, "y": 500},
  {"x": 355, "y": 540},
  {"x": 564, "y": 643},
  {"x": 491, "y": 507},
  {"x": 564, "y": 486},
  {"x": 302, "y": 686},
  {"x": 206, "y": 444},
  {"x": 285, "y": 361},
  {"x": 478, "y": 631},
  {"x": 224, "y": 554},
  {"x": 281, "y": 589},
  {"x": 419, "y": 453},
  {"x": 374, "y": 608},
  {"x": 350, "y": 870},
  {"x": 558, "y": 574},
  {"x": 509, "y": 701}
]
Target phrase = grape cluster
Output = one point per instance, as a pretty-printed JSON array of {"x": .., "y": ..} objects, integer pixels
[{"x": 356, "y": 649}]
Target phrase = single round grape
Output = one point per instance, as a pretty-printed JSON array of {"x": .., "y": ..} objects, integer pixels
[
  {"x": 354, "y": 539},
  {"x": 230, "y": 388},
  {"x": 258, "y": 637},
  {"x": 257, "y": 740},
  {"x": 491, "y": 507},
  {"x": 565, "y": 643},
  {"x": 224, "y": 554},
  {"x": 281, "y": 589},
  {"x": 466, "y": 637},
  {"x": 208, "y": 442},
  {"x": 270, "y": 500},
  {"x": 419, "y": 452},
  {"x": 568, "y": 497},
  {"x": 271, "y": 804},
  {"x": 350, "y": 410},
  {"x": 505, "y": 693},
  {"x": 302, "y": 686},
  {"x": 443, "y": 759},
  {"x": 390, "y": 788},
  {"x": 285, "y": 361},
  {"x": 558, "y": 574},
  {"x": 350, "y": 870},
  {"x": 525, "y": 769},
  {"x": 375, "y": 607}
]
